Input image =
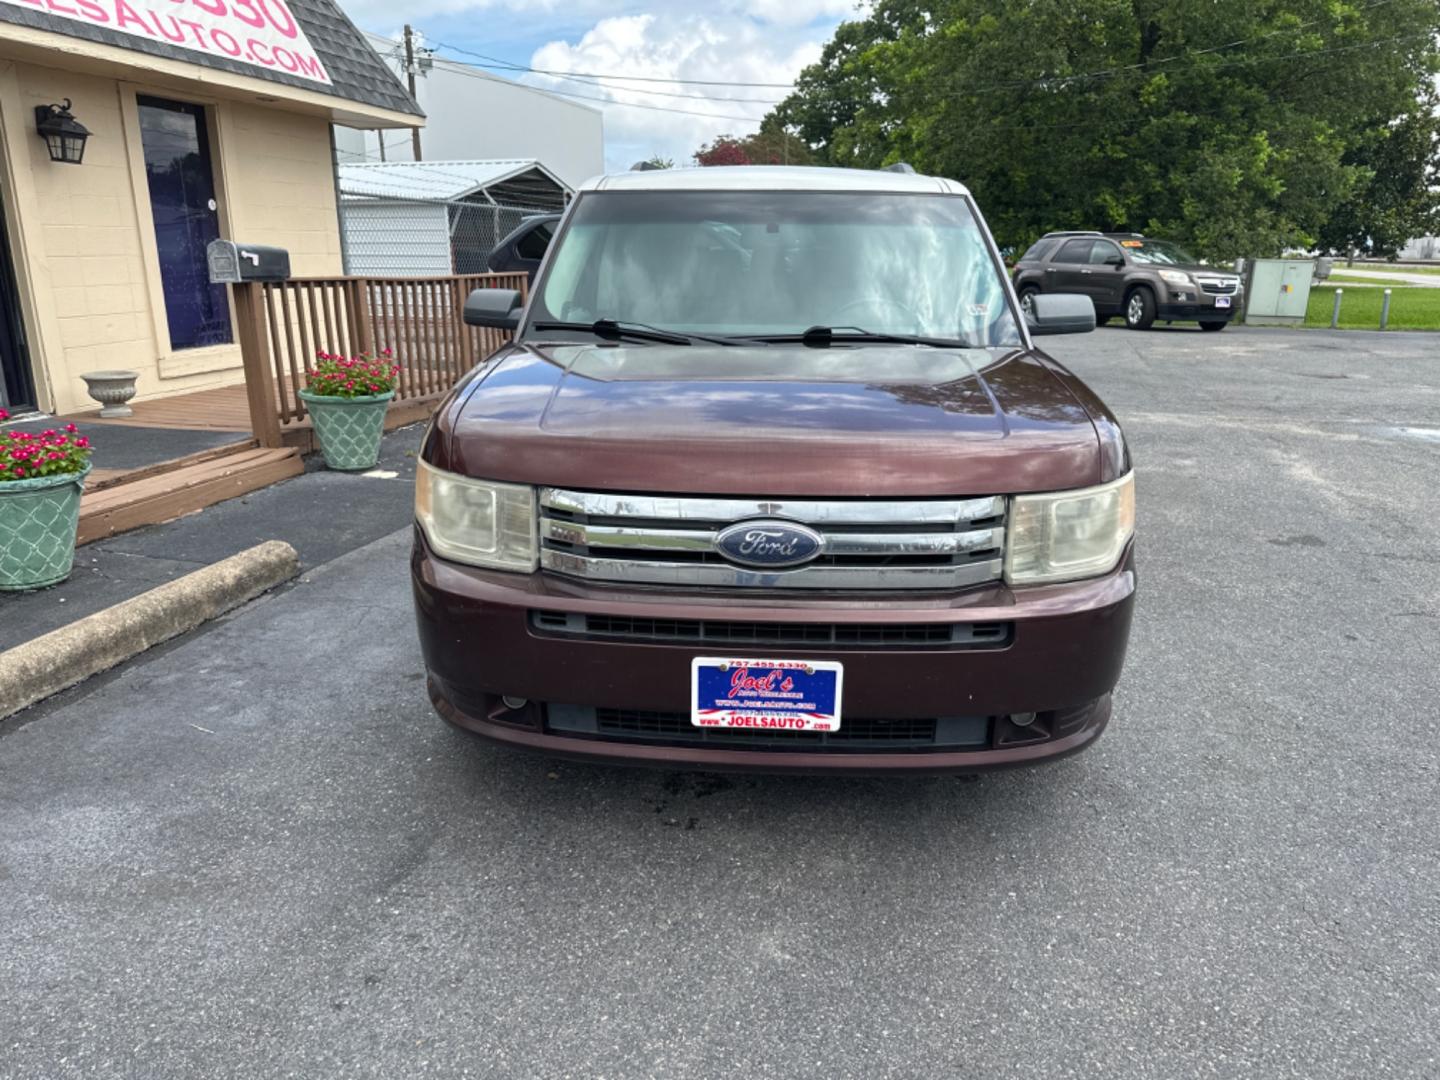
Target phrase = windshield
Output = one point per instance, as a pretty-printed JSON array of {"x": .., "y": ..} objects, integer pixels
[
  {"x": 1159, "y": 252},
  {"x": 759, "y": 263}
]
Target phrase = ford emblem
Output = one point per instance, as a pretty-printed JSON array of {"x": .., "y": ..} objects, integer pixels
[{"x": 771, "y": 545}]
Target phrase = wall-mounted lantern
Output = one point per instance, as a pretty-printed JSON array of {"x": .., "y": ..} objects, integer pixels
[{"x": 63, "y": 134}]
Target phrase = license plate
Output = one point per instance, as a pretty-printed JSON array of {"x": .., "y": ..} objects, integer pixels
[
  {"x": 770, "y": 695},
  {"x": 1222, "y": 301}
]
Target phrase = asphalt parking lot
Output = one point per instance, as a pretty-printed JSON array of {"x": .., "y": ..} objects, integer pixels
[{"x": 257, "y": 853}]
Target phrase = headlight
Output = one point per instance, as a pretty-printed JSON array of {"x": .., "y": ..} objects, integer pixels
[
  {"x": 477, "y": 521},
  {"x": 1174, "y": 277},
  {"x": 1069, "y": 534}
]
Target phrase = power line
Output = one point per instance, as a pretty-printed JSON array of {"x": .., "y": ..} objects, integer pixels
[
  {"x": 506, "y": 65},
  {"x": 463, "y": 68},
  {"x": 1169, "y": 63},
  {"x": 584, "y": 81},
  {"x": 496, "y": 63}
]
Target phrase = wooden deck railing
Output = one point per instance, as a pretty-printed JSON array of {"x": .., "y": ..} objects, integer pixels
[{"x": 282, "y": 325}]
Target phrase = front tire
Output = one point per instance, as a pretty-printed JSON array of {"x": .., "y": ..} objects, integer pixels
[
  {"x": 1140, "y": 309},
  {"x": 1212, "y": 327}
]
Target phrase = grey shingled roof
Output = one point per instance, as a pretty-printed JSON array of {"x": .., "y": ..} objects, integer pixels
[{"x": 356, "y": 72}]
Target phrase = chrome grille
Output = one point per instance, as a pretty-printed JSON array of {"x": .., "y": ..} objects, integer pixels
[
  {"x": 868, "y": 543},
  {"x": 1219, "y": 286}
]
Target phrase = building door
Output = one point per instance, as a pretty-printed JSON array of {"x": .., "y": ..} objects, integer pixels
[
  {"x": 182, "y": 203},
  {"x": 17, "y": 387}
]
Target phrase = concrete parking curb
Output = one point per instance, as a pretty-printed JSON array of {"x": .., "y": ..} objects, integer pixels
[{"x": 64, "y": 657}]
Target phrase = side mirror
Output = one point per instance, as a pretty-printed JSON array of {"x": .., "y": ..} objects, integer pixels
[
  {"x": 1116, "y": 261},
  {"x": 498, "y": 309},
  {"x": 1060, "y": 313}
]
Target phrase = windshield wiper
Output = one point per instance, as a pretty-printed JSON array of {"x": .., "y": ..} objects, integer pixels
[
  {"x": 822, "y": 337},
  {"x": 617, "y": 329}
]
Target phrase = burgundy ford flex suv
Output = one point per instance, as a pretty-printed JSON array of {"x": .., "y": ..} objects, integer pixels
[{"x": 772, "y": 478}]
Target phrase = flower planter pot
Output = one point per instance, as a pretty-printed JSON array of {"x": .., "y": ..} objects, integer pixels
[
  {"x": 38, "y": 519},
  {"x": 112, "y": 389},
  {"x": 348, "y": 429}
]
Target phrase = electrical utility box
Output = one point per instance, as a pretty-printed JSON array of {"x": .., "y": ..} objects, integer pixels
[{"x": 1279, "y": 291}]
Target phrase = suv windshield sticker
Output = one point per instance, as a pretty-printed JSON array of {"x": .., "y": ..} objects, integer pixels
[{"x": 1131, "y": 243}]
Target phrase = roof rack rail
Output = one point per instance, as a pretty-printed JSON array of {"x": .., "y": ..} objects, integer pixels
[{"x": 1076, "y": 232}]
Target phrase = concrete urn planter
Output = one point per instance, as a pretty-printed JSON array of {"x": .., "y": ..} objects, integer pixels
[
  {"x": 112, "y": 389},
  {"x": 348, "y": 429},
  {"x": 38, "y": 521}
]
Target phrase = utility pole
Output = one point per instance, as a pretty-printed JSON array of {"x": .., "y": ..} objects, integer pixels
[
  {"x": 380, "y": 138},
  {"x": 410, "y": 81}
]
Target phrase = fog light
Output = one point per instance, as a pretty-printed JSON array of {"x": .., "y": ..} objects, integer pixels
[
  {"x": 1022, "y": 719},
  {"x": 520, "y": 703}
]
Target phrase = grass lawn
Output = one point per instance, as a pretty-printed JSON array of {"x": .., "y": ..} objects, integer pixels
[
  {"x": 1385, "y": 268},
  {"x": 1415, "y": 308}
]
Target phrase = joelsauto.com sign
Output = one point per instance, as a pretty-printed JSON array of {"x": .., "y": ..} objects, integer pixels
[{"x": 259, "y": 32}]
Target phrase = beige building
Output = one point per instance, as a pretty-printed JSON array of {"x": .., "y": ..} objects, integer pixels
[{"x": 200, "y": 126}]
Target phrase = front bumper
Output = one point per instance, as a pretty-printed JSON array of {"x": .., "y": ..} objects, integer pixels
[
  {"x": 1061, "y": 657},
  {"x": 1201, "y": 306}
]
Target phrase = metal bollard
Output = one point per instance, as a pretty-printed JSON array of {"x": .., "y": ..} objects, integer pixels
[
  {"x": 1335, "y": 315},
  {"x": 1385, "y": 310}
]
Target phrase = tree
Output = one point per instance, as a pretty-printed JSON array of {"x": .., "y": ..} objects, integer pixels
[
  {"x": 771, "y": 145},
  {"x": 1241, "y": 129},
  {"x": 1399, "y": 197},
  {"x": 658, "y": 162},
  {"x": 776, "y": 146},
  {"x": 723, "y": 150}
]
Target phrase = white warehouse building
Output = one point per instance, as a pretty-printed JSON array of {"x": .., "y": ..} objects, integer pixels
[{"x": 475, "y": 116}]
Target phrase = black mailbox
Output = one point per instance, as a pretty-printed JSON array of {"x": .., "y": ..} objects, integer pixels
[{"x": 231, "y": 263}]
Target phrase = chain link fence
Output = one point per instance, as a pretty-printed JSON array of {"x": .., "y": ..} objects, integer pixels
[{"x": 397, "y": 237}]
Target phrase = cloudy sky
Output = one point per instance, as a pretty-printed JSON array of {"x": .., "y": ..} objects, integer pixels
[{"x": 756, "y": 41}]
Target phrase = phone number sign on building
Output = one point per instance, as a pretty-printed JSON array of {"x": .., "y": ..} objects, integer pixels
[{"x": 259, "y": 32}]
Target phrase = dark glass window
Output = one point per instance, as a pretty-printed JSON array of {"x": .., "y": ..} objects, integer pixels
[
  {"x": 1075, "y": 251},
  {"x": 533, "y": 244},
  {"x": 182, "y": 203},
  {"x": 1037, "y": 251},
  {"x": 1103, "y": 250}
]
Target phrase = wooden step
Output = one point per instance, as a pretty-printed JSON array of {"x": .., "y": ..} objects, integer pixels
[
  {"x": 158, "y": 497},
  {"x": 100, "y": 479}
]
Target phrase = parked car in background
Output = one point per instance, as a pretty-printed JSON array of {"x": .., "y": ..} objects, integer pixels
[
  {"x": 741, "y": 494},
  {"x": 524, "y": 248},
  {"x": 1129, "y": 275}
]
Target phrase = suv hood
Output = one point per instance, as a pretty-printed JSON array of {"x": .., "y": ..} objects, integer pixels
[
  {"x": 775, "y": 420},
  {"x": 1195, "y": 268}
]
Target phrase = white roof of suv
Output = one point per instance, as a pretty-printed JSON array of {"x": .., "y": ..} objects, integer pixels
[{"x": 773, "y": 178}]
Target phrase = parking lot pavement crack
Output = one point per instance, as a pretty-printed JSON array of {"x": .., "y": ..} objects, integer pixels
[{"x": 175, "y": 559}]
